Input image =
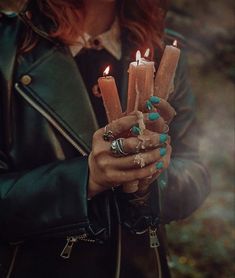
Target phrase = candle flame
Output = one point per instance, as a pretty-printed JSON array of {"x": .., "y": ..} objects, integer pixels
[
  {"x": 175, "y": 43},
  {"x": 138, "y": 57},
  {"x": 147, "y": 52},
  {"x": 106, "y": 71}
]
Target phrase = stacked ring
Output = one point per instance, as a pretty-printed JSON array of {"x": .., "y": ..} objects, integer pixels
[
  {"x": 108, "y": 134},
  {"x": 117, "y": 147}
]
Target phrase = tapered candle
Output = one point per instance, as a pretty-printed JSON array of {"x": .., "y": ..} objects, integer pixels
[
  {"x": 164, "y": 81},
  {"x": 110, "y": 96},
  {"x": 141, "y": 74}
]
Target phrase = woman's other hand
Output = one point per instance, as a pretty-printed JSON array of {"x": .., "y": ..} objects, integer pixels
[{"x": 163, "y": 113}]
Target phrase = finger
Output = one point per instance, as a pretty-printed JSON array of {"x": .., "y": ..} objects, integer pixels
[
  {"x": 119, "y": 126},
  {"x": 144, "y": 142},
  {"x": 166, "y": 159},
  {"x": 124, "y": 124},
  {"x": 139, "y": 160},
  {"x": 154, "y": 122},
  {"x": 115, "y": 176},
  {"x": 125, "y": 176},
  {"x": 163, "y": 107}
]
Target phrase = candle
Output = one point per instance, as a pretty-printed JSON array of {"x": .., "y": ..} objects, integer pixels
[
  {"x": 164, "y": 81},
  {"x": 110, "y": 96},
  {"x": 140, "y": 88},
  {"x": 141, "y": 82}
]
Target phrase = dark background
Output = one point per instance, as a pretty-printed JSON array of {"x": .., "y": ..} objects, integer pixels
[{"x": 203, "y": 245}]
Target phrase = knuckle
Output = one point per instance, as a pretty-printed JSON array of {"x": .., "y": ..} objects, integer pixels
[
  {"x": 127, "y": 145},
  {"x": 109, "y": 176},
  {"x": 96, "y": 152},
  {"x": 96, "y": 134},
  {"x": 102, "y": 164}
]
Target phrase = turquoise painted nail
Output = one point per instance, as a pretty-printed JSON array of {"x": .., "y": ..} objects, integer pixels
[
  {"x": 135, "y": 130},
  {"x": 149, "y": 105},
  {"x": 153, "y": 116},
  {"x": 159, "y": 165},
  {"x": 163, "y": 138},
  {"x": 162, "y": 151},
  {"x": 154, "y": 100}
]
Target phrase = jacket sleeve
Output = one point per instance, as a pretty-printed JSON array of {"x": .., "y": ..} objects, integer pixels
[
  {"x": 51, "y": 199},
  {"x": 187, "y": 178}
]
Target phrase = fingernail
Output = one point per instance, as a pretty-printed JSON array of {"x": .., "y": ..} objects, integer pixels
[
  {"x": 162, "y": 151},
  {"x": 153, "y": 116},
  {"x": 163, "y": 138},
  {"x": 154, "y": 100},
  {"x": 159, "y": 165},
  {"x": 149, "y": 105},
  {"x": 135, "y": 130}
]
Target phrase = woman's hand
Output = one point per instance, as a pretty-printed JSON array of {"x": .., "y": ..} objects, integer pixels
[
  {"x": 165, "y": 114},
  {"x": 145, "y": 157}
]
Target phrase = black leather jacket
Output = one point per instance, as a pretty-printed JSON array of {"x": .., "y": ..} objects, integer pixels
[{"x": 46, "y": 128}]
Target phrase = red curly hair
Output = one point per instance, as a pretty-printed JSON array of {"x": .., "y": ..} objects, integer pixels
[{"x": 143, "y": 20}]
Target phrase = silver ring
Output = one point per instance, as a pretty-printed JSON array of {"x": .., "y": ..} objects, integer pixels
[
  {"x": 108, "y": 134},
  {"x": 166, "y": 128},
  {"x": 117, "y": 147}
]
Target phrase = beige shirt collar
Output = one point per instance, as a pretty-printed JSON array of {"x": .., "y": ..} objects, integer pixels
[{"x": 109, "y": 40}]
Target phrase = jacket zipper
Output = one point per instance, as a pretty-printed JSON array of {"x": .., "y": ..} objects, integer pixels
[
  {"x": 52, "y": 121},
  {"x": 159, "y": 268},
  {"x": 66, "y": 252},
  {"x": 13, "y": 260},
  {"x": 152, "y": 229},
  {"x": 153, "y": 238}
]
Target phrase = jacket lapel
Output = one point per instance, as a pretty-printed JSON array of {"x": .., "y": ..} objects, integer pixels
[{"x": 57, "y": 86}]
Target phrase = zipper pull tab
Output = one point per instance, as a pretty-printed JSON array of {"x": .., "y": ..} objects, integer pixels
[
  {"x": 153, "y": 239},
  {"x": 65, "y": 254}
]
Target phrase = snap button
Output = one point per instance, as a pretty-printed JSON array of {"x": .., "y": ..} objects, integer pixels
[
  {"x": 26, "y": 79},
  {"x": 28, "y": 14}
]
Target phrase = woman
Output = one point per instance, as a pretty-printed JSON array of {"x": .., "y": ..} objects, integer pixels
[{"x": 63, "y": 212}]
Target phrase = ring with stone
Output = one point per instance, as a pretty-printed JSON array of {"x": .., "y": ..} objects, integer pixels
[
  {"x": 117, "y": 147},
  {"x": 139, "y": 160},
  {"x": 108, "y": 134}
]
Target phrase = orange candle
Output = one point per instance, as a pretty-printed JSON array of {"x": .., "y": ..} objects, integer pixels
[
  {"x": 110, "y": 96},
  {"x": 164, "y": 81},
  {"x": 141, "y": 82}
]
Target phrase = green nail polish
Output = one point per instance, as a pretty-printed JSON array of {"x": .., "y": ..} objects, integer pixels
[
  {"x": 149, "y": 105},
  {"x": 135, "y": 130},
  {"x": 159, "y": 165},
  {"x": 163, "y": 138},
  {"x": 154, "y": 100},
  {"x": 162, "y": 151},
  {"x": 153, "y": 116}
]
